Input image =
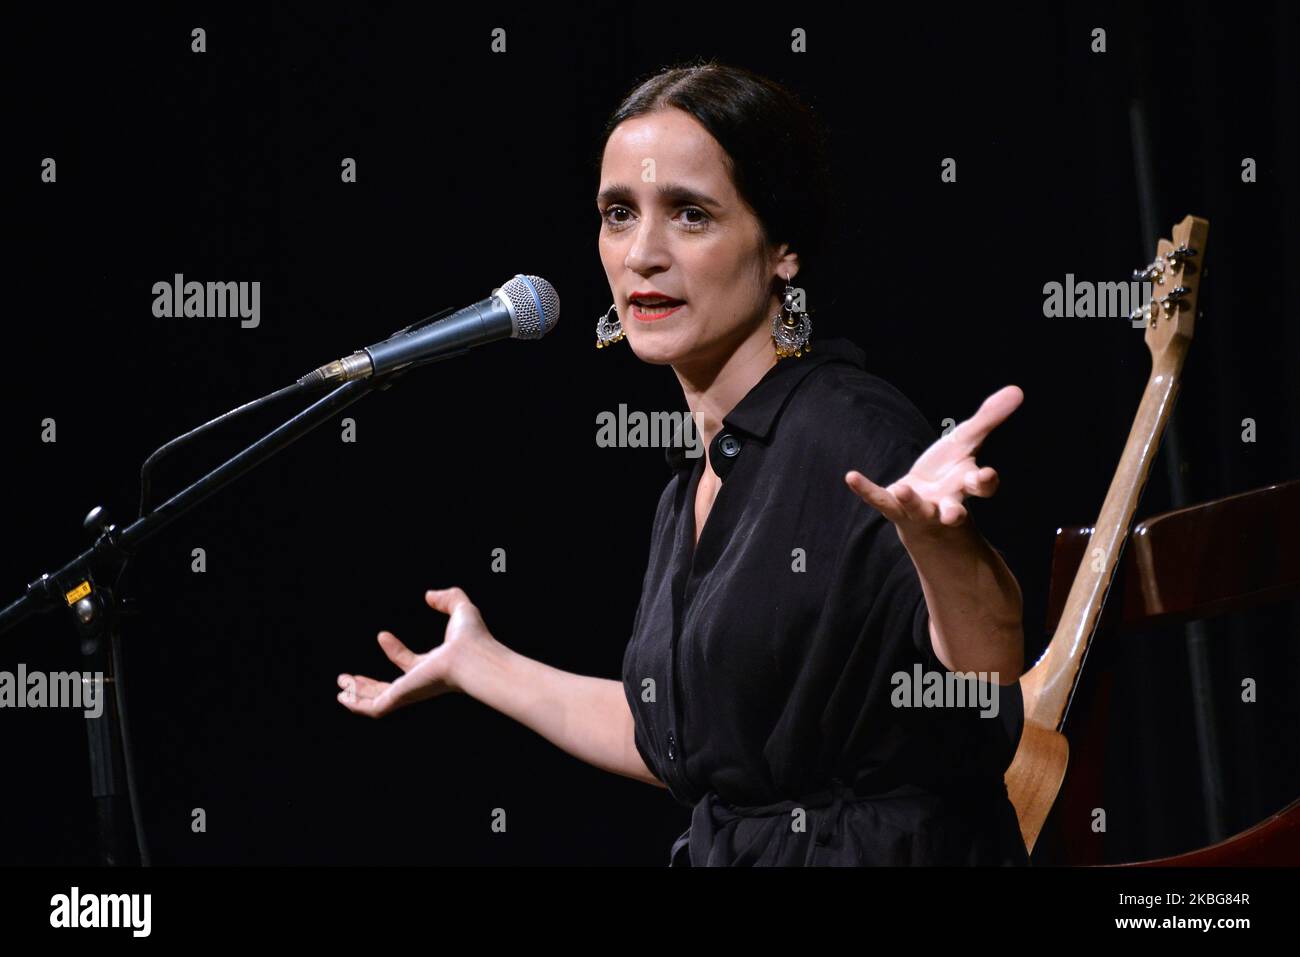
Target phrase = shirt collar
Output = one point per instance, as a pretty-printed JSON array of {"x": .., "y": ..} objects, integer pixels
[{"x": 756, "y": 414}]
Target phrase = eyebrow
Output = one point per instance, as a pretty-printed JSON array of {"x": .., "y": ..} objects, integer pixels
[{"x": 622, "y": 193}]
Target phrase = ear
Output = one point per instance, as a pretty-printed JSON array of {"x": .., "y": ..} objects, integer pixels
[{"x": 785, "y": 264}]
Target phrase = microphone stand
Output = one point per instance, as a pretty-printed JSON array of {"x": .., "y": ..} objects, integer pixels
[{"x": 81, "y": 586}]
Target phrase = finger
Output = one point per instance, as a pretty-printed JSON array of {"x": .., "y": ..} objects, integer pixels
[
  {"x": 361, "y": 686},
  {"x": 406, "y": 690},
  {"x": 372, "y": 701},
  {"x": 397, "y": 652},
  {"x": 992, "y": 412},
  {"x": 916, "y": 508},
  {"x": 982, "y": 482},
  {"x": 951, "y": 512},
  {"x": 874, "y": 495},
  {"x": 446, "y": 600},
  {"x": 375, "y": 707},
  {"x": 348, "y": 694}
]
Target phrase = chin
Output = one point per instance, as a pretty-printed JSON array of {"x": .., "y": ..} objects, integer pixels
[{"x": 656, "y": 348}]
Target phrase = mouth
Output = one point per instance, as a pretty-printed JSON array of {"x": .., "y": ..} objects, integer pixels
[{"x": 649, "y": 308}]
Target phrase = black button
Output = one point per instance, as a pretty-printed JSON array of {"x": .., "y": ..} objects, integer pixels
[
  {"x": 725, "y": 449},
  {"x": 672, "y": 747}
]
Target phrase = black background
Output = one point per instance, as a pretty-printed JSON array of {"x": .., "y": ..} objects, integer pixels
[{"x": 474, "y": 166}]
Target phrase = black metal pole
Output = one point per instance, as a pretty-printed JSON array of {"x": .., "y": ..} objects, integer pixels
[{"x": 96, "y": 612}]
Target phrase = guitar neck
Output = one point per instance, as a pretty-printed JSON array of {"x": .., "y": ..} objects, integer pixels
[
  {"x": 1175, "y": 276},
  {"x": 1083, "y": 606}
]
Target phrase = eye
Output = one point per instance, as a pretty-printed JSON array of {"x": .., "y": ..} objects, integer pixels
[
  {"x": 610, "y": 211},
  {"x": 699, "y": 223}
]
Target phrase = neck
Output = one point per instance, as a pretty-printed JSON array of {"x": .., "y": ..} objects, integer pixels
[{"x": 714, "y": 385}]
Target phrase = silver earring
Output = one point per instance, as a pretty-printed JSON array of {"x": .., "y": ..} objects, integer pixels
[
  {"x": 791, "y": 330},
  {"x": 608, "y": 331}
]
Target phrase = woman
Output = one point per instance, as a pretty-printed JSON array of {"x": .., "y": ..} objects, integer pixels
[{"x": 788, "y": 675}]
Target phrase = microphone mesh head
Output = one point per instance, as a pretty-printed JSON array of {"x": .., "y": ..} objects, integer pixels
[{"x": 534, "y": 306}]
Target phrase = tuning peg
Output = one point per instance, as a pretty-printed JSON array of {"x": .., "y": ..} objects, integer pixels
[
  {"x": 1175, "y": 298},
  {"x": 1141, "y": 316},
  {"x": 1152, "y": 273}
]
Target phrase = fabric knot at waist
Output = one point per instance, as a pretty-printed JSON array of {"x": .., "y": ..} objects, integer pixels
[
  {"x": 832, "y": 798},
  {"x": 713, "y": 814}
]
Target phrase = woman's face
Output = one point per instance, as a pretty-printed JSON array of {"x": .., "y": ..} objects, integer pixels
[{"x": 672, "y": 223}]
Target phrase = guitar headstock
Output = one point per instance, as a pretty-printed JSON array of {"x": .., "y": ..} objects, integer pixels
[{"x": 1175, "y": 277}]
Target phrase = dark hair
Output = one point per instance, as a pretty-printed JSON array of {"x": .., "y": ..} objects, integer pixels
[{"x": 778, "y": 149}]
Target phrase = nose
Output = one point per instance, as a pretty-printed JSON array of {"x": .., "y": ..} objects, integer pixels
[{"x": 648, "y": 251}]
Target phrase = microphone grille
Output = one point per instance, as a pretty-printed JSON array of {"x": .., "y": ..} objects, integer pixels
[{"x": 534, "y": 306}]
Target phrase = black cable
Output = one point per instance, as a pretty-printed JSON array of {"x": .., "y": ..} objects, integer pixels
[
  {"x": 307, "y": 383},
  {"x": 119, "y": 672},
  {"x": 189, "y": 436},
  {"x": 128, "y": 758}
]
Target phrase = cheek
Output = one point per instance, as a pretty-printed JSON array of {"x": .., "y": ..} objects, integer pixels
[
  {"x": 712, "y": 269},
  {"x": 730, "y": 263},
  {"x": 726, "y": 280},
  {"x": 608, "y": 253}
]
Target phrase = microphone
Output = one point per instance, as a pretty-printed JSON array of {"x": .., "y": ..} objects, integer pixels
[{"x": 525, "y": 307}]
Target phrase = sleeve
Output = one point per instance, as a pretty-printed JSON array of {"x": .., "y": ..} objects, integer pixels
[
  {"x": 639, "y": 734},
  {"x": 900, "y": 436},
  {"x": 878, "y": 569},
  {"x": 635, "y": 662},
  {"x": 631, "y": 691},
  {"x": 897, "y": 612},
  {"x": 913, "y": 596}
]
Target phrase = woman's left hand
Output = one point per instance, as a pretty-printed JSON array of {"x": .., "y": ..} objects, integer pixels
[{"x": 928, "y": 499}]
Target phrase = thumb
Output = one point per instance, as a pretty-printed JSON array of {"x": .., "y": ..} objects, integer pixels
[
  {"x": 397, "y": 652},
  {"x": 445, "y": 599}
]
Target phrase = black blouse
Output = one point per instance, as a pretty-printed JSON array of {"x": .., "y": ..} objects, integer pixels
[{"x": 762, "y": 663}]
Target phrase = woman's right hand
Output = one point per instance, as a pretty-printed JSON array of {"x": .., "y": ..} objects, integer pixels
[{"x": 424, "y": 676}]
